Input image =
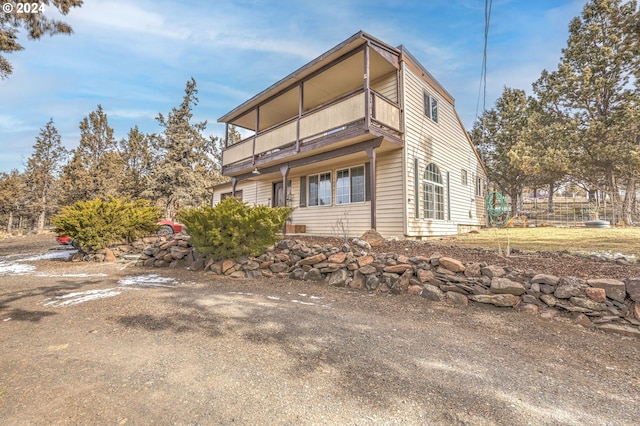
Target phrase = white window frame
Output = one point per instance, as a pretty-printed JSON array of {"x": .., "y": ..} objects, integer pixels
[
  {"x": 317, "y": 200},
  {"x": 464, "y": 179},
  {"x": 350, "y": 194},
  {"x": 430, "y": 106},
  {"x": 433, "y": 192},
  {"x": 479, "y": 187}
]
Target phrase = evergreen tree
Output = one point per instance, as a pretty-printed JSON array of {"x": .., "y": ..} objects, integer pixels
[
  {"x": 95, "y": 169},
  {"x": 11, "y": 196},
  {"x": 501, "y": 137},
  {"x": 138, "y": 159},
  {"x": 36, "y": 24},
  {"x": 592, "y": 94},
  {"x": 186, "y": 164},
  {"x": 548, "y": 148},
  {"x": 41, "y": 174}
]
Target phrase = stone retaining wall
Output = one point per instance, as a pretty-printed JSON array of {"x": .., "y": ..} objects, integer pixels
[{"x": 607, "y": 304}]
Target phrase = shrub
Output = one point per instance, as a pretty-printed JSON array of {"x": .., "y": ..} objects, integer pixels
[
  {"x": 233, "y": 229},
  {"x": 98, "y": 223}
]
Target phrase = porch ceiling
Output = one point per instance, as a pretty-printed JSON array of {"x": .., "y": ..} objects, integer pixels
[{"x": 345, "y": 76}]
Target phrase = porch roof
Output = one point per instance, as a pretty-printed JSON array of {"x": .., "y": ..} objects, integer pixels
[{"x": 346, "y": 46}]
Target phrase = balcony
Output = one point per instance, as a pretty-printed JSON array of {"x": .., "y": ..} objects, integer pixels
[
  {"x": 336, "y": 124},
  {"x": 348, "y": 95}
]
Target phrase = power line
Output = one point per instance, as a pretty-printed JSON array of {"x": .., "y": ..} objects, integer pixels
[{"x": 482, "y": 87}]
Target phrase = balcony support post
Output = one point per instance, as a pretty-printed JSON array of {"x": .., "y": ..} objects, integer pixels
[
  {"x": 255, "y": 135},
  {"x": 226, "y": 135},
  {"x": 300, "y": 104},
  {"x": 367, "y": 93}
]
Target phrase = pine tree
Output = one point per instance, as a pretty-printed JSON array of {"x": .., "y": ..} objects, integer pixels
[
  {"x": 42, "y": 171},
  {"x": 186, "y": 164},
  {"x": 96, "y": 168},
  {"x": 36, "y": 24},
  {"x": 138, "y": 160},
  {"x": 11, "y": 196},
  {"x": 501, "y": 137},
  {"x": 592, "y": 94}
]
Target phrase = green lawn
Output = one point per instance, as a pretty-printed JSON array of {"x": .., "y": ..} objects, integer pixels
[{"x": 615, "y": 240}]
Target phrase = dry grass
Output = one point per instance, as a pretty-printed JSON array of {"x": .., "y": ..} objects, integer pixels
[{"x": 614, "y": 240}]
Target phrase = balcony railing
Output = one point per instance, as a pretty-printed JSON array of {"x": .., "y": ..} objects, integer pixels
[{"x": 322, "y": 121}]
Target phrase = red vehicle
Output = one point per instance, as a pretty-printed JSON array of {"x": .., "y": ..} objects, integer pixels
[
  {"x": 64, "y": 239},
  {"x": 169, "y": 227}
]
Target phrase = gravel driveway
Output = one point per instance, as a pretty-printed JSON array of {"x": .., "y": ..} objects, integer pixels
[{"x": 84, "y": 343}]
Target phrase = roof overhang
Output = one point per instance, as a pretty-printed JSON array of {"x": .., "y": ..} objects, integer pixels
[{"x": 307, "y": 70}]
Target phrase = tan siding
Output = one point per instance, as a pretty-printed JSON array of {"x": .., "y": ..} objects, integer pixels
[
  {"x": 387, "y": 86},
  {"x": 390, "y": 195},
  {"x": 336, "y": 115},
  {"x": 445, "y": 144},
  {"x": 354, "y": 218}
]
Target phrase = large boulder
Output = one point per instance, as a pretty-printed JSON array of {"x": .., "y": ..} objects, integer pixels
[
  {"x": 506, "y": 286},
  {"x": 570, "y": 287},
  {"x": 633, "y": 288},
  {"x": 615, "y": 289},
  {"x": 373, "y": 237},
  {"x": 453, "y": 265}
]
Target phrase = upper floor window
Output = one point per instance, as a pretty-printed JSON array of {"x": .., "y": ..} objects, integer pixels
[
  {"x": 350, "y": 185},
  {"x": 320, "y": 189},
  {"x": 479, "y": 187},
  {"x": 433, "y": 193},
  {"x": 464, "y": 180},
  {"x": 430, "y": 107}
]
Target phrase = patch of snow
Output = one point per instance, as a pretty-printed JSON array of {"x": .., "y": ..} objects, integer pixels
[
  {"x": 303, "y": 303},
  {"x": 81, "y": 297},
  {"x": 70, "y": 275},
  {"x": 12, "y": 268},
  {"x": 61, "y": 254},
  {"x": 273, "y": 298},
  {"x": 150, "y": 280},
  {"x": 607, "y": 255}
]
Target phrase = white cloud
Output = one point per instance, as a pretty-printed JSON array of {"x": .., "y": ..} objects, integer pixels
[
  {"x": 13, "y": 124},
  {"x": 126, "y": 17}
]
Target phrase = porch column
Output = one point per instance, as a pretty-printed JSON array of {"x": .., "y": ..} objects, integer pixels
[
  {"x": 371, "y": 152},
  {"x": 234, "y": 181},
  {"x": 284, "y": 170},
  {"x": 226, "y": 135}
]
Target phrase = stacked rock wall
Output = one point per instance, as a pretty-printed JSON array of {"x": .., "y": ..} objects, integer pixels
[{"x": 608, "y": 304}]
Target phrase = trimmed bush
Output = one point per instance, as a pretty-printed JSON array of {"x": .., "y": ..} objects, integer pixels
[
  {"x": 98, "y": 223},
  {"x": 233, "y": 229}
]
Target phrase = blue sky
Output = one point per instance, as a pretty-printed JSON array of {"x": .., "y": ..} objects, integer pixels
[{"x": 134, "y": 57}]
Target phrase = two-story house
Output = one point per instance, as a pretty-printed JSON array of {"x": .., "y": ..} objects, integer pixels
[{"x": 361, "y": 137}]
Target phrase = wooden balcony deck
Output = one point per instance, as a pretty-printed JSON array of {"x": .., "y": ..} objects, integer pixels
[{"x": 344, "y": 116}]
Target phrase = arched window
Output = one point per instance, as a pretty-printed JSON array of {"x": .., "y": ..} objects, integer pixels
[{"x": 433, "y": 193}]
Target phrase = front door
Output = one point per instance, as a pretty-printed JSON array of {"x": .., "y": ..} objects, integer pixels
[{"x": 278, "y": 197}]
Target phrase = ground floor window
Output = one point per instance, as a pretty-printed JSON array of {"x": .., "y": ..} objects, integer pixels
[
  {"x": 433, "y": 193},
  {"x": 350, "y": 185},
  {"x": 479, "y": 186},
  {"x": 228, "y": 194},
  {"x": 319, "y": 189}
]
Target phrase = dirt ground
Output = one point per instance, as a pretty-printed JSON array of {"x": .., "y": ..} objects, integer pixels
[{"x": 88, "y": 343}]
